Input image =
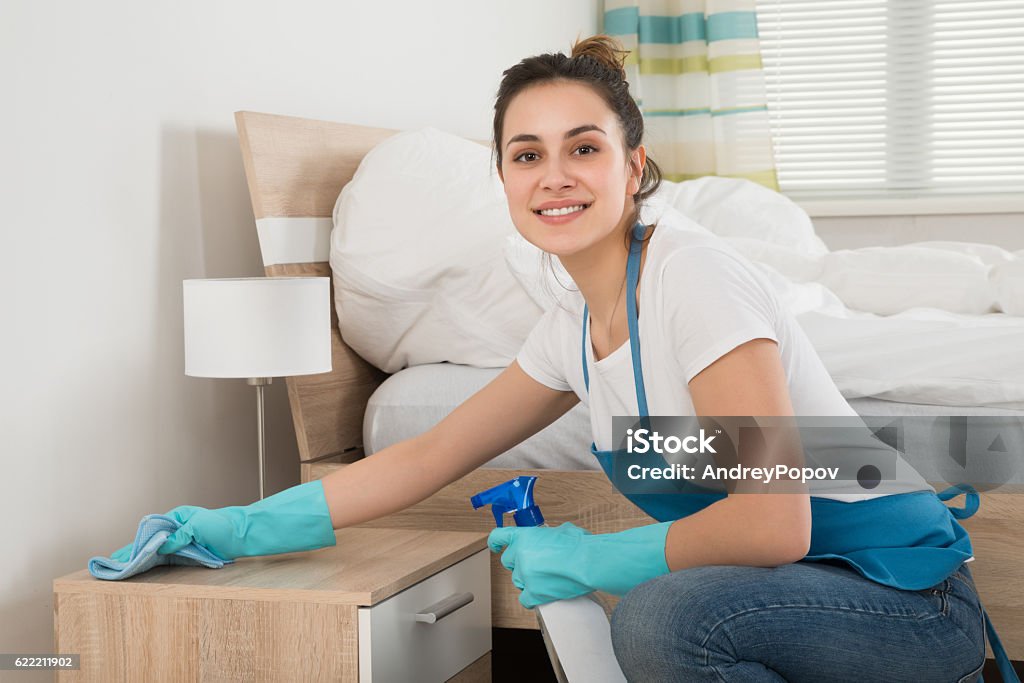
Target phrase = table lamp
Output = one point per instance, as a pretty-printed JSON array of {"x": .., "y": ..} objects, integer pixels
[{"x": 257, "y": 329}]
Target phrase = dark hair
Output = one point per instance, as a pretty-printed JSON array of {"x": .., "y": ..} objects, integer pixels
[{"x": 598, "y": 62}]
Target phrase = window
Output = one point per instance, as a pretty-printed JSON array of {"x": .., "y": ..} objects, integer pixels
[{"x": 895, "y": 100}]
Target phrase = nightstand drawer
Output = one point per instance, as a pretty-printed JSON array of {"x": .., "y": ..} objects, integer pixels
[{"x": 395, "y": 646}]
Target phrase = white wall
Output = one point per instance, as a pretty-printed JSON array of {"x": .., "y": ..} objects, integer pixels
[
  {"x": 121, "y": 176},
  {"x": 852, "y": 232}
]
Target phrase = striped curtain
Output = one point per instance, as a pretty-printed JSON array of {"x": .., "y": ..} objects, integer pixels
[{"x": 695, "y": 71}]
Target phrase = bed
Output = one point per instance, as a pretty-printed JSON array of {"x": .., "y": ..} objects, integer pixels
[{"x": 295, "y": 170}]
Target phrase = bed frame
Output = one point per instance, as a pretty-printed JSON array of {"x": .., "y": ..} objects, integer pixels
[{"x": 295, "y": 169}]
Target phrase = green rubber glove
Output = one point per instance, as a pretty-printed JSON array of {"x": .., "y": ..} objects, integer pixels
[
  {"x": 294, "y": 519},
  {"x": 564, "y": 562}
]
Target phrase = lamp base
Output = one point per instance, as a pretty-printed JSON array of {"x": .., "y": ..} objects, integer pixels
[{"x": 259, "y": 383}]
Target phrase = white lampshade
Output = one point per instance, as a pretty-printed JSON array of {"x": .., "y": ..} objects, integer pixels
[{"x": 257, "y": 327}]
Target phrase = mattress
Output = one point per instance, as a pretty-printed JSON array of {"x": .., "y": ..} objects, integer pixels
[{"x": 984, "y": 446}]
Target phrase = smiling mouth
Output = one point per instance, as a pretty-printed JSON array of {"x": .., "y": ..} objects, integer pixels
[{"x": 565, "y": 211}]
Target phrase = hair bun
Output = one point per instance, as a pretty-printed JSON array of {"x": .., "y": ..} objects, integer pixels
[{"x": 606, "y": 50}]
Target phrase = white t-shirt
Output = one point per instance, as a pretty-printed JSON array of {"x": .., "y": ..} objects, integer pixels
[{"x": 699, "y": 299}]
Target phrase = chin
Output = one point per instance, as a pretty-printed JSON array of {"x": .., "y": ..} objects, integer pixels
[
  {"x": 565, "y": 240},
  {"x": 561, "y": 249},
  {"x": 556, "y": 241}
]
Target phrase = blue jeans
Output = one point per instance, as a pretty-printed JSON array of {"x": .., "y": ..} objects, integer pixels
[{"x": 808, "y": 621}]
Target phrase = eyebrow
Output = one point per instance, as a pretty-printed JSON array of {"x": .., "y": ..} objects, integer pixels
[{"x": 527, "y": 137}]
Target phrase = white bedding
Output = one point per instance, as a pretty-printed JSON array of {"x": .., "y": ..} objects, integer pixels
[
  {"x": 413, "y": 400},
  {"x": 920, "y": 355},
  {"x": 923, "y": 356}
]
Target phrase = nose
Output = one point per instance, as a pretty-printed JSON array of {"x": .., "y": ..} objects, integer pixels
[{"x": 556, "y": 175}]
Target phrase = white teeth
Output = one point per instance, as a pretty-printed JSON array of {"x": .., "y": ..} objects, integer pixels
[{"x": 563, "y": 211}]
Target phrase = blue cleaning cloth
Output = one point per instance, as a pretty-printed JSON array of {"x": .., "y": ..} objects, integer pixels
[{"x": 153, "y": 531}]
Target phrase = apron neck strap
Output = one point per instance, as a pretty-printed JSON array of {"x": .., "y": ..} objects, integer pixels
[{"x": 632, "y": 281}]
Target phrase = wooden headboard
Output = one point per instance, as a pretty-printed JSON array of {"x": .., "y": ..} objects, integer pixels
[{"x": 296, "y": 168}]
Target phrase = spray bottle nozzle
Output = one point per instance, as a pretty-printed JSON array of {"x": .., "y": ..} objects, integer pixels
[{"x": 515, "y": 496}]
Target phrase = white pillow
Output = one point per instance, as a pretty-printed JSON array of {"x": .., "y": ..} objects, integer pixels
[
  {"x": 734, "y": 207},
  {"x": 888, "y": 280},
  {"x": 1008, "y": 284},
  {"x": 416, "y": 254}
]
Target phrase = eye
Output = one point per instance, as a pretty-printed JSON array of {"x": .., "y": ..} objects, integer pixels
[
  {"x": 520, "y": 156},
  {"x": 591, "y": 149}
]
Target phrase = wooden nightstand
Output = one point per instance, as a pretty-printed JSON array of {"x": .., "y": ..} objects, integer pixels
[{"x": 346, "y": 613}]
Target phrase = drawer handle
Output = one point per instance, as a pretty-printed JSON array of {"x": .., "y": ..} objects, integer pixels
[{"x": 439, "y": 610}]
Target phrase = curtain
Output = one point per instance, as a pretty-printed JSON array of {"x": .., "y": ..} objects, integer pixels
[{"x": 694, "y": 69}]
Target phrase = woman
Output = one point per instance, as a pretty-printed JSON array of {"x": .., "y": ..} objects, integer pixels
[{"x": 716, "y": 593}]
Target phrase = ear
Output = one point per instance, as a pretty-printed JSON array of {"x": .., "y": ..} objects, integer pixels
[
  {"x": 500, "y": 175},
  {"x": 636, "y": 167}
]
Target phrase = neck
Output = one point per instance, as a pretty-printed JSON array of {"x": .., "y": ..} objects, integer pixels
[{"x": 599, "y": 272}]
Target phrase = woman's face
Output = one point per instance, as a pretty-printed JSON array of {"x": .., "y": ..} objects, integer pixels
[{"x": 563, "y": 149}]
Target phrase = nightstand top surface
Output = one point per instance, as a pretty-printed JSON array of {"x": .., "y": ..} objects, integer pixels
[{"x": 366, "y": 566}]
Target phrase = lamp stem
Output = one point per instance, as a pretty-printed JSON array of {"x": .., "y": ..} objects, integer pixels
[{"x": 259, "y": 383}]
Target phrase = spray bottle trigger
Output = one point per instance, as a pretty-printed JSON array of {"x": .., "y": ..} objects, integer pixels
[{"x": 515, "y": 496}]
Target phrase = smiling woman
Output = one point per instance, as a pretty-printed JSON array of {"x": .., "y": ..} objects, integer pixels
[{"x": 715, "y": 342}]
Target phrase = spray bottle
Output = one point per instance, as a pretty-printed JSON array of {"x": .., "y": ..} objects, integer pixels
[{"x": 576, "y": 631}]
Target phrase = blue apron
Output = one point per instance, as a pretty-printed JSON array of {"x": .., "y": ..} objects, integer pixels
[{"x": 925, "y": 548}]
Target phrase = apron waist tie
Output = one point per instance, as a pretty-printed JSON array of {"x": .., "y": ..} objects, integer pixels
[
  {"x": 971, "y": 504},
  {"x": 1002, "y": 661}
]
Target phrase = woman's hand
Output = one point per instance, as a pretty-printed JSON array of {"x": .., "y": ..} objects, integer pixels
[
  {"x": 549, "y": 564},
  {"x": 220, "y": 531},
  {"x": 544, "y": 561},
  {"x": 293, "y": 520},
  {"x": 212, "y": 529}
]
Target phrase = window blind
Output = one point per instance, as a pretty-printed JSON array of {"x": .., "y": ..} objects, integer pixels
[{"x": 898, "y": 99}]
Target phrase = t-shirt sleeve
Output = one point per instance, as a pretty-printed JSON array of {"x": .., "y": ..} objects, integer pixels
[
  {"x": 542, "y": 356},
  {"x": 713, "y": 302}
]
